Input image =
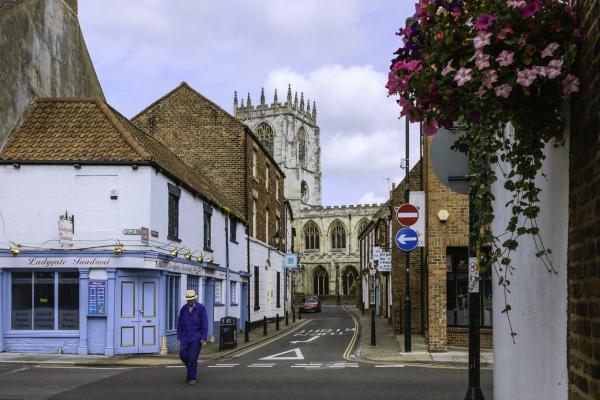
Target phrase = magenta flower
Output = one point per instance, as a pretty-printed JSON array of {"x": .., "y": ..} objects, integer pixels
[
  {"x": 516, "y": 3},
  {"x": 505, "y": 58},
  {"x": 554, "y": 68},
  {"x": 482, "y": 60},
  {"x": 489, "y": 77},
  {"x": 482, "y": 39},
  {"x": 550, "y": 49},
  {"x": 484, "y": 22},
  {"x": 504, "y": 32},
  {"x": 463, "y": 76},
  {"x": 570, "y": 84},
  {"x": 447, "y": 69},
  {"x": 503, "y": 90},
  {"x": 526, "y": 77},
  {"x": 430, "y": 127},
  {"x": 531, "y": 9}
]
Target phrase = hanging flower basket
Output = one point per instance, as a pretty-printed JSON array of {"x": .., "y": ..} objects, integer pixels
[{"x": 480, "y": 65}]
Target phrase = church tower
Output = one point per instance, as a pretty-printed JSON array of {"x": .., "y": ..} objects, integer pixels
[{"x": 290, "y": 133}]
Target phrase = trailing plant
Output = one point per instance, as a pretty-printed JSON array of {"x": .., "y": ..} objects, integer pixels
[{"x": 501, "y": 69}]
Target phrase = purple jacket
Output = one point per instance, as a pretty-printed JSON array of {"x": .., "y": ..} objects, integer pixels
[{"x": 192, "y": 325}]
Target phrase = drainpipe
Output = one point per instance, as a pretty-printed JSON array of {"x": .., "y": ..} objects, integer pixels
[
  {"x": 247, "y": 221},
  {"x": 227, "y": 294}
]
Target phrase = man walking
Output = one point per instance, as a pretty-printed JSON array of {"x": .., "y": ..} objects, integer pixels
[{"x": 192, "y": 330}]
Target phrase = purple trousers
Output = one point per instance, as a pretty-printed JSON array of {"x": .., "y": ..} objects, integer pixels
[{"x": 189, "y": 353}]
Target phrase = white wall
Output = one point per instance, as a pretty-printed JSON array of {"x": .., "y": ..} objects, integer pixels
[
  {"x": 536, "y": 366},
  {"x": 260, "y": 253}
]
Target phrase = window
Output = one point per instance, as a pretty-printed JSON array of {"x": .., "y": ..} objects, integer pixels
[
  {"x": 265, "y": 134},
  {"x": 311, "y": 236},
  {"x": 172, "y": 302},
  {"x": 254, "y": 164},
  {"x": 267, "y": 226},
  {"x": 218, "y": 292},
  {"x": 338, "y": 236},
  {"x": 233, "y": 293},
  {"x": 277, "y": 231},
  {"x": 254, "y": 218},
  {"x": 267, "y": 176},
  {"x": 193, "y": 283},
  {"x": 45, "y": 301},
  {"x": 256, "y": 288},
  {"x": 457, "y": 281},
  {"x": 207, "y": 227},
  {"x": 233, "y": 229},
  {"x": 302, "y": 147},
  {"x": 320, "y": 281},
  {"x": 276, "y": 188},
  {"x": 361, "y": 225},
  {"x": 349, "y": 277},
  {"x": 174, "y": 194},
  {"x": 304, "y": 191},
  {"x": 278, "y": 289}
]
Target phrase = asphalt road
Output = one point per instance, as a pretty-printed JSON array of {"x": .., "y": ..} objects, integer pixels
[{"x": 306, "y": 363}]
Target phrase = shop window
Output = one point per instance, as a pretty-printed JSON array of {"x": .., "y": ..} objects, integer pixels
[
  {"x": 233, "y": 293},
  {"x": 457, "y": 290},
  {"x": 45, "y": 300},
  {"x": 193, "y": 283},
  {"x": 218, "y": 292},
  {"x": 173, "y": 294}
]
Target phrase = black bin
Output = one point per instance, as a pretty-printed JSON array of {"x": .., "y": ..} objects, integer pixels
[{"x": 228, "y": 333}]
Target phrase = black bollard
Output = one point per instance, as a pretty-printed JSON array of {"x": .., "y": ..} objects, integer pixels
[
  {"x": 247, "y": 332},
  {"x": 287, "y": 322},
  {"x": 363, "y": 310},
  {"x": 373, "y": 340},
  {"x": 277, "y": 322},
  {"x": 299, "y": 313},
  {"x": 264, "y": 326},
  {"x": 293, "y": 314}
]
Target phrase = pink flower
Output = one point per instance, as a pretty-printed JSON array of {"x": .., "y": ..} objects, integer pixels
[
  {"x": 526, "y": 77},
  {"x": 522, "y": 41},
  {"x": 554, "y": 68},
  {"x": 550, "y": 49},
  {"x": 516, "y": 3},
  {"x": 430, "y": 127},
  {"x": 503, "y": 90},
  {"x": 531, "y": 9},
  {"x": 447, "y": 69},
  {"x": 482, "y": 60},
  {"x": 540, "y": 70},
  {"x": 484, "y": 22},
  {"x": 482, "y": 39},
  {"x": 570, "y": 84},
  {"x": 439, "y": 35},
  {"x": 413, "y": 66},
  {"x": 481, "y": 91},
  {"x": 489, "y": 77},
  {"x": 463, "y": 76},
  {"x": 505, "y": 58},
  {"x": 504, "y": 32}
]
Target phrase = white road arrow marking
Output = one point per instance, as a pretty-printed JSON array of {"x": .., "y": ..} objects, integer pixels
[
  {"x": 402, "y": 239},
  {"x": 278, "y": 356},
  {"x": 305, "y": 341}
]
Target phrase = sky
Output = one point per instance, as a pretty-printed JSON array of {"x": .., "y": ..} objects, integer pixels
[{"x": 337, "y": 52}]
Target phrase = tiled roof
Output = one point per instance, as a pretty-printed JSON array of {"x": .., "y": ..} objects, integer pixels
[{"x": 90, "y": 131}]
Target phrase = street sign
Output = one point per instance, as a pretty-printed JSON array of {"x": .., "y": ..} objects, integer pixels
[
  {"x": 407, "y": 214},
  {"x": 473, "y": 275},
  {"x": 385, "y": 261},
  {"x": 376, "y": 253},
  {"x": 407, "y": 239},
  {"x": 290, "y": 260}
]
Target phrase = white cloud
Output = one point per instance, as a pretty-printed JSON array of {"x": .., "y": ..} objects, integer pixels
[{"x": 372, "y": 198}]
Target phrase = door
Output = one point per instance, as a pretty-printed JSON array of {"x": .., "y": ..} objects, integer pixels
[{"x": 137, "y": 330}]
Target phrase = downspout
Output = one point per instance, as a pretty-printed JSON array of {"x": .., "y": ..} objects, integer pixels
[
  {"x": 424, "y": 269},
  {"x": 227, "y": 294},
  {"x": 247, "y": 221}
]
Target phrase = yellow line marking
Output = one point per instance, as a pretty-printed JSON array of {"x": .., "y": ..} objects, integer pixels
[{"x": 346, "y": 354}]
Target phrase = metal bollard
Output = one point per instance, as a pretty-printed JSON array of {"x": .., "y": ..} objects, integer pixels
[
  {"x": 373, "y": 340},
  {"x": 363, "y": 310},
  {"x": 299, "y": 313},
  {"x": 287, "y": 322},
  {"x": 247, "y": 332},
  {"x": 293, "y": 314},
  {"x": 276, "y": 322},
  {"x": 264, "y": 326}
]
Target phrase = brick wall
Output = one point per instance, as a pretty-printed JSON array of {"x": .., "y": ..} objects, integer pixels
[
  {"x": 459, "y": 336},
  {"x": 584, "y": 214}
]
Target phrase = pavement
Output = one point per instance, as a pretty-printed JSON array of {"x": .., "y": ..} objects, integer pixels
[{"x": 389, "y": 346}]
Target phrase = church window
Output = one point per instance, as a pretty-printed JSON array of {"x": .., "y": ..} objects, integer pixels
[
  {"x": 361, "y": 225},
  {"x": 265, "y": 134},
  {"x": 338, "y": 236},
  {"x": 304, "y": 191},
  {"x": 311, "y": 236},
  {"x": 320, "y": 281},
  {"x": 302, "y": 147}
]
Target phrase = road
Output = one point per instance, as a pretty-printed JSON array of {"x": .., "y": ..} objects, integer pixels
[{"x": 304, "y": 363}]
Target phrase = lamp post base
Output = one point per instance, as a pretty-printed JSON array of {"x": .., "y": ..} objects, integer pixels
[{"x": 474, "y": 393}]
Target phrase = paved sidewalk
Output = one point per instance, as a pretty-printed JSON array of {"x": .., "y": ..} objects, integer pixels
[
  {"x": 390, "y": 347},
  {"x": 209, "y": 352}
]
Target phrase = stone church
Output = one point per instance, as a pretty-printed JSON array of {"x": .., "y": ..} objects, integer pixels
[{"x": 325, "y": 237}]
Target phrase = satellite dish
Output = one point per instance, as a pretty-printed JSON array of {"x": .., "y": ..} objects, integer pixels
[{"x": 449, "y": 165}]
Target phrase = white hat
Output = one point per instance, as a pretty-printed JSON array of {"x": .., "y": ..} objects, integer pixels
[{"x": 191, "y": 295}]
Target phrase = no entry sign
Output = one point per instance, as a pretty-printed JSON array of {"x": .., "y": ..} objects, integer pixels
[{"x": 407, "y": 214}]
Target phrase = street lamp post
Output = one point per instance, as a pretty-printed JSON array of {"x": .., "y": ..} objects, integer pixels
[{"x": 407, "y": 303}]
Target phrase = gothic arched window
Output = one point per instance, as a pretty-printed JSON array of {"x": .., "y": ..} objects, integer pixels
[
  {"x": 338, "y": 236},
  {"x": 304, "y": 191},
  {"x": 302, "y": 147},
  {"x": 320, "y": 281},
  {"x": 361, "y": 225},
  {"x": 311, "y": 236},
  {"x": 348, "y": 278},
  {"x": 265, "y": 134}
]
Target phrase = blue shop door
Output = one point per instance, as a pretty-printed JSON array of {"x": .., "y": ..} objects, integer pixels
[{"x": 137, "y": 319}]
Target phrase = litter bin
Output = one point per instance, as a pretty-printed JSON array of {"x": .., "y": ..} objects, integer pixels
[{"x": 228, "y": 333}]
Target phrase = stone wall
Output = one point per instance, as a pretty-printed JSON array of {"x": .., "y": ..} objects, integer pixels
[
  {"x": 584, "y": 215},
  {"x": 42, "y": 54}
]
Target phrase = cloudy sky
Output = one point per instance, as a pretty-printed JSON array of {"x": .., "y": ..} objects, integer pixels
[{"x": 335, "y": 51}]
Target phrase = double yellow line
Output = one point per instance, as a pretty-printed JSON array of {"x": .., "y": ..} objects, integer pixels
[{"x": 346, "y": 354}]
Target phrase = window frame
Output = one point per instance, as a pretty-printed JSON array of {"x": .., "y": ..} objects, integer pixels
[
  {"x": 173, "y": 213},
  {"x": 173, "y": 305},
  {"x": 233, "y": 229},
  {"x": 338, "y": 236},
  {"x": 218, "y": 299},
  {"x": 233, "y": 295},
  {"x": 255, "y": 164},
  {"x": 254, "y": 217},
  {"x": 256, "y": 288},
  {"x": 267, "y": 226},
  {"x": 313, "y": 234},
  {"x": 267, "y": 176},
  {"x": 207, "y": 224}
]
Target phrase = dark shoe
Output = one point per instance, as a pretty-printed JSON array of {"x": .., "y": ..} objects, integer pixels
[{"x": 192, "y": 382}]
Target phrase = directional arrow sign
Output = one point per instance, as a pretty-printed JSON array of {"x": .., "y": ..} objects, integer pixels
[
  {"x": 407, "y": 214},
  {"x": 407, "y": 239},
  {"x": 279, "y": 356},
  {"x": 305, "y": 341}
]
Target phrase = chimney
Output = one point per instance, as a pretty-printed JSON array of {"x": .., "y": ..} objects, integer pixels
[{"x": 72, "y": 4}]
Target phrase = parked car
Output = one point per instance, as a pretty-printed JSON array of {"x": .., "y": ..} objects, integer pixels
[{"x": 310, "y": 303}]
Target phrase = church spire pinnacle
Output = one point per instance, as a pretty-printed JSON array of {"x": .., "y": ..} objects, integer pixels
[
  {"x": 249, "y": 101},
  {"x": 314, "y": 110},
  {"x": 275, "y": 100},
  {"x": 235, "y": 103},
  {"x": 262, "y": 97},
  {"x": 295, "y": 100},
  {"x": 288, "y": 101},
  {"x": 301, "y": 101}
]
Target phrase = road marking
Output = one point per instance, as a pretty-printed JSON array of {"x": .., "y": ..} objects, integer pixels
[
  {"x": 261, "y": 365},
  {"x": 14, "y": 371},
  {"x": 305, "y": 341},
  {"x": 298, "y": 355},
  {"x": 346, "y": 354},
  {"x": 175, "y": 366},
  {"x": 223, "y": 365},
  {"x": 390, "y": 366}
]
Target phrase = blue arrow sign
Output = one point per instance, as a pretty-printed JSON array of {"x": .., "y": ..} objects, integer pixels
[{"x": 407, "y": 239}]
